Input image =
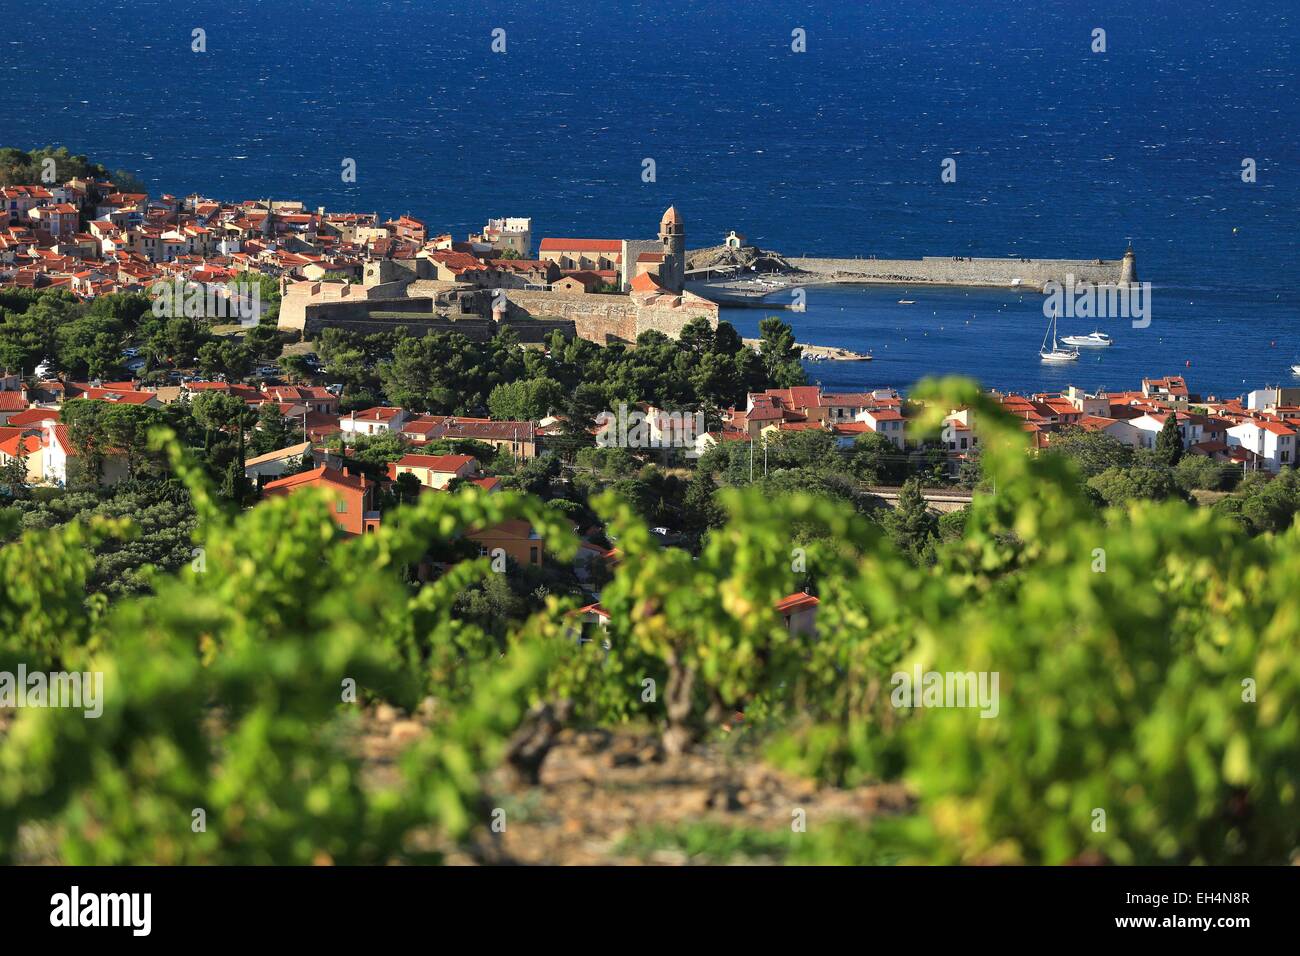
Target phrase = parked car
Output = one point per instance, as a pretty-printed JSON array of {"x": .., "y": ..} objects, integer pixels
[{"x": 130, "y": 353}]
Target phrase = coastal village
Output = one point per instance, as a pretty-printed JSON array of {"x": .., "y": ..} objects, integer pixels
[{"x": 92, "y": 240}]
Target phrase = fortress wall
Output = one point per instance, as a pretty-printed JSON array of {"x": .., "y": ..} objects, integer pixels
[
  {"x": 533, "y": 314},
  {"x": 600, "y": 318},
  {"x": 429, "y": 288},
  {"x": 969, "y": 272},
  {"x": 671, "y": 320},
  {"x": 345, "y": 315},
  {"x": 386, "y": 290},
  {"x": 295, "y": 305}
]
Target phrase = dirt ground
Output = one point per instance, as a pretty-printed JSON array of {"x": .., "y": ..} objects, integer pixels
[
  {"x": 601, "y": 792},
  {"x": 609, "y": 797}
]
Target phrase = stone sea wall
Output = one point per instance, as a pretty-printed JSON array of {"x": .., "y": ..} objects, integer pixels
[{"x": 938, "y": 270}]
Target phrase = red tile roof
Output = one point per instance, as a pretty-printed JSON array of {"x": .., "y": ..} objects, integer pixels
[
  {"x": 440, "y": 463},
  {"x": 581, "y": 245},
  {"x": 796, "y": 602},
  {"x": 322, "y": 475}
]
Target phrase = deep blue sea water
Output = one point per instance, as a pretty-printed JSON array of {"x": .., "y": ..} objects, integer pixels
[{"x": 836, "y": 151}]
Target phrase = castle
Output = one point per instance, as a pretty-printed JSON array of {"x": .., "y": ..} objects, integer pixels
[{"x": 451, "y": 290}]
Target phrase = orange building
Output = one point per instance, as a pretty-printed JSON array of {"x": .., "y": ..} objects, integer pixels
[
  {"x": 354, "y": 495},
  {"x": 516, "y": 538}
]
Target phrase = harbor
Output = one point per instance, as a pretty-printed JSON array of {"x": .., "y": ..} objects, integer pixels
[{"x": 995, "y": 336}]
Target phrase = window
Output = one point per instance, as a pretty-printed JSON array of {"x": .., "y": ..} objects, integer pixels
[
  {"x": 532, "y": 555},
  {"x": 341, "y": 506}
]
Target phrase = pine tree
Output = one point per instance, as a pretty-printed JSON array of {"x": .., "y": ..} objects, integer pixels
[
  {"x": 911, "y": 525},
  {"x": 1169, "y": 443}
]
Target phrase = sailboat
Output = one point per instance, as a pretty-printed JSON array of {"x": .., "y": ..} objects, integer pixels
[{"x": 1057, "y": 354}]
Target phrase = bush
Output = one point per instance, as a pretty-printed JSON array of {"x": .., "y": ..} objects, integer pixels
[{"x": 1146, "y": 657}]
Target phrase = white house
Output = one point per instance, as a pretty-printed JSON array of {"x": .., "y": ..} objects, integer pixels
[
  {"x": 373, "y": 421},
  {"x": 57, "y": 449},
  {"x": 1149, "y": 426},
  {"x": 1273, "y": 442},
  {"x": 884, "y": 421}
]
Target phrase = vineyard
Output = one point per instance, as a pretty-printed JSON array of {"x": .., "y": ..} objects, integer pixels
[{"x": 1147, "y": 661}]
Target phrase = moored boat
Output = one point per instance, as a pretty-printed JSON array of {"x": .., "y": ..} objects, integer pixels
[
  {"x": 1056, "y": 354},
  {"x": 1093, "y": 340}
]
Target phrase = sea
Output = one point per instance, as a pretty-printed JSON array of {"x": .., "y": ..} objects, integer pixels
[{"x": 818, "y": 127}]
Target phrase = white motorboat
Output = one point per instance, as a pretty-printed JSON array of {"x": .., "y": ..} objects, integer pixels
[
  {"x": 1056, "y": 354},
  {"x": 1295, "y": 369},
  {"x": 1093, "y": 340}
]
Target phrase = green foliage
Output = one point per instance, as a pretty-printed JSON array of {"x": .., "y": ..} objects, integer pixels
[
  {"x": 1263, "y": 504},
  {"x": 779, "y": 353},
  {"x": 224, "y": 690},
  {"x": 1169, "y": 443},
  {"x": 1146, "y": 654},
  {"x": 875, "y": 460},
  {"x": 911, "y": 525},
  {"x": 525, "y": 400},
  {"x": 1117, "y": 486},
  {"x": 1202, "y": 473},
  {"x": 25, "y": 167},
  {"x": 1092, "y": 452},
  {"x": 159, "y": 514}
]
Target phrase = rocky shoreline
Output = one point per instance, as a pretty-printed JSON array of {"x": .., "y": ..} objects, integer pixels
[{"x": 818, "y": 353}]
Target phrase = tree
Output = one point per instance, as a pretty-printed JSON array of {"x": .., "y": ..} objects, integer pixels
[
  {"x": 274, "y": 431},
  {"x": 1200, "y": 472},
  {"x": 294, "y": 368},
  {"x": 84, "y": 421},
  {"x": 1117, "y": 486},
  {"x": 13, "y": 473},
  {"x": 264, "y": 342},
  {"x": 1092, "y": 451},
  {"x": 911, "y": 525},
  {"x": 217, "y": 412},
  {"x": 126, "y": 431},
  {"x": 1169, "y": 443},
  {"x": 526, "y": 400},
  {"x": 875, "y": 460},
  {"x": 225, "y": 357},
  {"x": 814, "y": 448},
  {"x": 779, "y": 353}
]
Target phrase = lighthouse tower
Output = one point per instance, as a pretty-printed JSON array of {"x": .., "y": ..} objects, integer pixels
[
  {"x": 672, "y": 241},
  {"x": 1128, "y": 268}
]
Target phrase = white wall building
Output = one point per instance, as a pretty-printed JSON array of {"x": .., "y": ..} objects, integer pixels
[{"x": 1273, "y": 442}]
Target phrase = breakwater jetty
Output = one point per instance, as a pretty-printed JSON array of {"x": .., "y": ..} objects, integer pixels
[
  {"x": 735, "y": 283},
  {"x": 966, "y": 271}
]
